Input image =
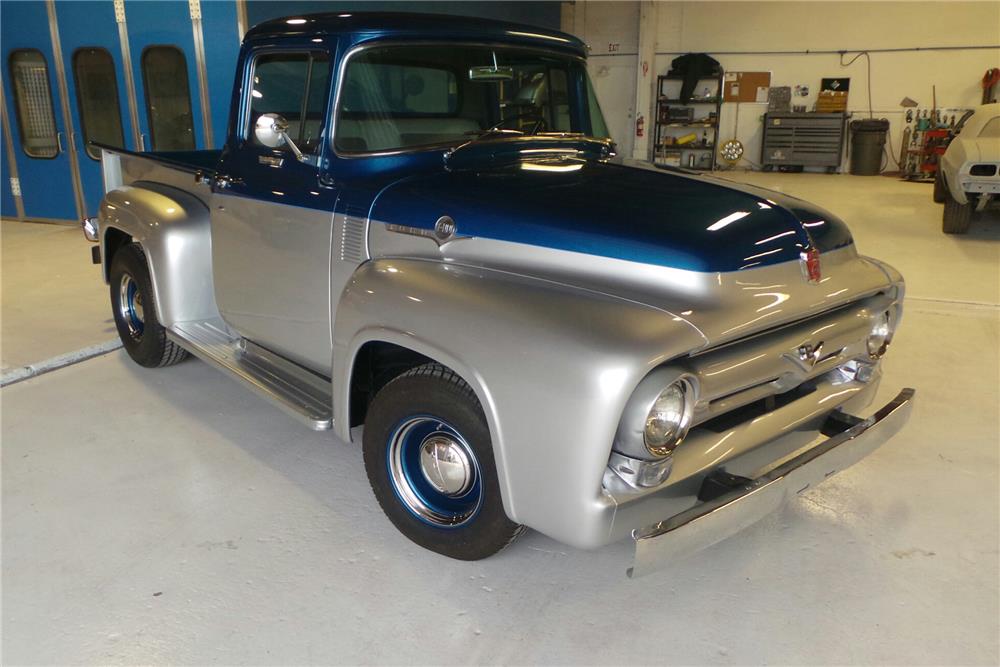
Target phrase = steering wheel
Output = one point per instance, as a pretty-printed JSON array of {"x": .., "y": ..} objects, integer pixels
[{"x": 540, "y": 122}]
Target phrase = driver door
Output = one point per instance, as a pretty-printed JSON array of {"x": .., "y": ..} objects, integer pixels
[{"x": 272, "y": 221}]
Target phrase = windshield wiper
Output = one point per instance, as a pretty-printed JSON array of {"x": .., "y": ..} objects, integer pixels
[{"x": 483, "y": 134}]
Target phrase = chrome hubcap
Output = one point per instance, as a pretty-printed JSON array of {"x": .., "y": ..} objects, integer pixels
[
  {"x": 434, "y": 472},
  {"x": 445, "y": 465},
  {"x": 130, "y": 306}
]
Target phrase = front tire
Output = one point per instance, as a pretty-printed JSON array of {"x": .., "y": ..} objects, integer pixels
[
  {"x": 134, "y": 308},
  {"x": 429, "y": 459},
  {"x": 957, "y": 217},
  {"x": 940, "y": 189}
]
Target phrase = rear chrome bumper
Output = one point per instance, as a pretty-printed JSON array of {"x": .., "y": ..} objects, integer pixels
[{"x": 713, "y": 521}]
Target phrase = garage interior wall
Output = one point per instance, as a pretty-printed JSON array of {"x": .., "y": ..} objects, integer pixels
[
  {"x": 716, "y": 27},
  {"x": 544, "y": 14},
  {"x": 611, "y": 30}
]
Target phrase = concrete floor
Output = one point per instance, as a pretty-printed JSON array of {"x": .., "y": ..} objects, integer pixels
[
  {"x": 170, "y": 516},
  {"x": 52, "y": 300}
]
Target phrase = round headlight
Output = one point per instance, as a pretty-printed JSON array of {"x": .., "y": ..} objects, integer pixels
[
  {"x": 669, "y": 418},
  {"x": 878, "y": 337}
]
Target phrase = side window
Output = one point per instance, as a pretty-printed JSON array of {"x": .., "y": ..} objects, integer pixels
[
  {"x": 559, "y": 101},
  {"x": 293, "y": 85},
  {"x": 168, "y": 99},
  {"x": 598, "y": 128},
  {"x": 97, "y": 96},
  {"x": 36, "y": 123}
]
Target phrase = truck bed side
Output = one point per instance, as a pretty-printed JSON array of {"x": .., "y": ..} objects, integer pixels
[{"x": 174, "y": 168}]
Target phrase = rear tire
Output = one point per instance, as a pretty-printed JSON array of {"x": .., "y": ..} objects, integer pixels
[
  {"x": 429, "y": 460},
  {"x": 940, "y": 189},
  {"x": 134, "y": 309},
  {"x": 957, "y": 217}
]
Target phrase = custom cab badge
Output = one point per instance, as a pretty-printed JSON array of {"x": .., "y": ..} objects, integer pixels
[{"x": 445, "y": 230}]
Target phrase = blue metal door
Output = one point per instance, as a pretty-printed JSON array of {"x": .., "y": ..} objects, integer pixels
[
  {"x": 34, "y": 108},
  {"x": 99, "y": 42},
  {"x": 156, "y": 31}
]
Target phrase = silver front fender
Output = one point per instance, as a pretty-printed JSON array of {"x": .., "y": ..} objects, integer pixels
[{"x": 551, "y": 364}]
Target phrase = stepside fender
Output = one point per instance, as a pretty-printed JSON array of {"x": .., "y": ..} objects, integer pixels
[
  {"x": 173, "y": 228},
  {"x": 552, "y": 365}
]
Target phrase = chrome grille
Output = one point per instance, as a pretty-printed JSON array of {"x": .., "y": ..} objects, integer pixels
[{"x": 777, "y": 361}]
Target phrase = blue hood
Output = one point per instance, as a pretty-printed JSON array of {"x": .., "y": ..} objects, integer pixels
[{"x": 628, "y": 211}]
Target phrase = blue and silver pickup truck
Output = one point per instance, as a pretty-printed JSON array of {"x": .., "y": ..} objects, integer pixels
[{"x": 418, "y": 225}]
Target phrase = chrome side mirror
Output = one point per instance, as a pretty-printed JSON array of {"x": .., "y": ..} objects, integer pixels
[{"x": 271, "y": 130}]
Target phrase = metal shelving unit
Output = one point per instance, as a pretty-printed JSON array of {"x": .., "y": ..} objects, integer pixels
[{"x": 702, "y": 113}]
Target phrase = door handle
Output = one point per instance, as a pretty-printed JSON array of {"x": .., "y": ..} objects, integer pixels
[
  {"x": 59, "y": 144},
  {"x": 225, "y": 180},
  {"x": 142, "y": 142}
]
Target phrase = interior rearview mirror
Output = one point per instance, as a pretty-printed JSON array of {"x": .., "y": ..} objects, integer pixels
[{"x": 491, "y": 73}]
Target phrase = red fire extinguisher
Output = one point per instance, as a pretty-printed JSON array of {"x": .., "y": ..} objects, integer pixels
[{"x": 640, "y": 124}]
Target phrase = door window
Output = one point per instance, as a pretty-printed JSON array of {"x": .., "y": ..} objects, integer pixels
[
  {"x": 36, "y": 122},
  {"x": 294, "y": 86},
  {"x": 97, "y": 96},
  {"x": 168, "y": 99}
]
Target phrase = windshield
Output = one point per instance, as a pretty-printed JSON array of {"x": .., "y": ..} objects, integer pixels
[
  {"x": 403, "y": 97},
  {"x": 991, "y": 130}
]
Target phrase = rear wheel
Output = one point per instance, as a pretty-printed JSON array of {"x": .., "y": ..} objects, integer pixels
[
  {"x": 957, "y": 217},
  {"x": 429, "y": 460},
  {"x": 134, "y": 308}
]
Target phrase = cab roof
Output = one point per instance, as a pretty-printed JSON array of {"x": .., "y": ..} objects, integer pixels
[{"x": 360, "y": 27}]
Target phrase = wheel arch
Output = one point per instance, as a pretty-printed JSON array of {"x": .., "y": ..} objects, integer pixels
[
  {"x": 172, "y": 227},
  {"x": 412, "y": 351},
  {"x": 552, "y": 366}
]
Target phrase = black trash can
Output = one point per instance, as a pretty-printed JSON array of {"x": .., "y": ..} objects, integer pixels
[{"x": 867, "y": 144}]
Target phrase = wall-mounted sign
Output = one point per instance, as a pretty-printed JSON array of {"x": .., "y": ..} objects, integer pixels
[
  {"x": 613, "y": 47},
  {"x": 837, "y": 84}
]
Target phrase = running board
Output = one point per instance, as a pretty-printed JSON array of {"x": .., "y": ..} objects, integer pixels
[{"x": 296, "y": 390}]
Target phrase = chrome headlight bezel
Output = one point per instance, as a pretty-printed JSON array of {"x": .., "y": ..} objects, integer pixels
[
  {"x": 879, "y": 335},
  {"x": 685, "y": 388}
]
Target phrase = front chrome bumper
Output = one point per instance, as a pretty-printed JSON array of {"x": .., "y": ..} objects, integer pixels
[{"x": 713, "y": 521}]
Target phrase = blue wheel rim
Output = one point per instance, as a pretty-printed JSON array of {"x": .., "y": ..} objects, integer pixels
[
  {"x": 130, "y": 306},
  {"x": 415, "y": 486}
]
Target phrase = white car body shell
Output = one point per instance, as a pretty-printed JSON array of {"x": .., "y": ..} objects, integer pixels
[{"x": 975, "y": 149}]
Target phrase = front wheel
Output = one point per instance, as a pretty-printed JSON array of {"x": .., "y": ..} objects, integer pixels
[
  {"x": 957, "y": 217},
  {"x": 134, "y": 307},
  {"x": 430, "y": 463}
]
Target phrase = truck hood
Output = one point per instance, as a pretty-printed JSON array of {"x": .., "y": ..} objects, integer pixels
[{"x": 618, "y": 209}]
